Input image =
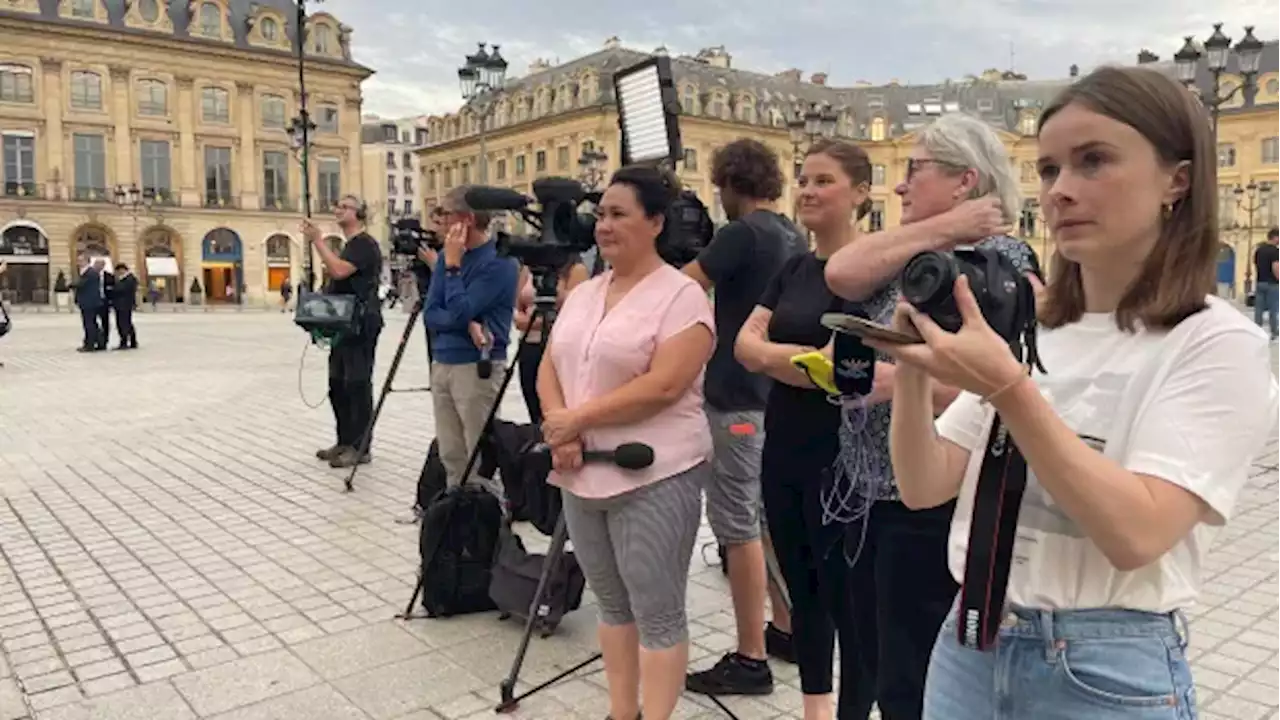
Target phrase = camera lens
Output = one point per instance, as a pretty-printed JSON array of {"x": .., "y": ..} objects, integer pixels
[{"x": 927, "y": 283}]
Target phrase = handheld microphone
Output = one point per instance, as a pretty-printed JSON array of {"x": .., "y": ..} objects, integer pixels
[
  {"x": 628, "y": 456},
  {"x": 484, "y": 368},
  {"x": 495, "y": 198}
]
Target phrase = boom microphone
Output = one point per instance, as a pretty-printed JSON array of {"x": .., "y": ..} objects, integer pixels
[
  {"x": 628, "y": 456},
  {"x": 495, "y": 198}
]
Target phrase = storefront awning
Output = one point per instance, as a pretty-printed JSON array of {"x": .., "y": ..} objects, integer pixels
[{"x": 162, "y": 267}]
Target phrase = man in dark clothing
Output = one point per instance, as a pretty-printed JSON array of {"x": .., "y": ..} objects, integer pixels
[
  {"x": 469, "y": 309},
  {"x": 1267, "y": 297},
  {"x": 124, "y": 299},
  {"x": 354, "y": 272},
  {"x": 89, "y": 298},
  {"x": 104, "y": 310},
  {"x": 741, "y": 259}
]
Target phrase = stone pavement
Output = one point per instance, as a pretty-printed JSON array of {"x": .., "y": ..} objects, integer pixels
[{"x": 169, "y": 548}]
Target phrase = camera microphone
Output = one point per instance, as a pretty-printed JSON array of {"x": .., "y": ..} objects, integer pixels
[
  {"x": 628, "y": 456},
  {"x": 487, "y": 199}
]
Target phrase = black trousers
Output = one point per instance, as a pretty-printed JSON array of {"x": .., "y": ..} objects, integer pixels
[
  {"x": 89, "y": 323},
  {"x": 124, "y": 326},
  {"x": 813, "y": 565},
  {"x": 351, "y": 387},
  {"x": 530, "y": 359},
  {"x": 104, "y": 329},
  {"x": 902, "y": 591}
]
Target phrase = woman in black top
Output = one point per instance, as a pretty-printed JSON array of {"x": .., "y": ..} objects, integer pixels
[{"x": 802, "y": 425}]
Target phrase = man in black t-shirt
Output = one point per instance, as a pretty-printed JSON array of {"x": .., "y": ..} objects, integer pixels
[
  {"x": 356, "y": 272},
  {"x": 741, "y": 259},
  {"x": 1267, "y": 297}
]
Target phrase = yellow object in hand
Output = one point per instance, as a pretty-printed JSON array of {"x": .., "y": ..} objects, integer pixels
[{"x": 819, "y": 369}]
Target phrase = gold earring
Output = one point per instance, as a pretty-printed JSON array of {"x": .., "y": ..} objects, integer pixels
[{"x": 1167, "y": 210}]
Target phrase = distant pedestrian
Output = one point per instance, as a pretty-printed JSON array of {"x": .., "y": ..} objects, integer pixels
[
  {"x": 1266, "y": 299},
  {"x": 286, "y": 292},
  {"x": 125, "y": 300}
]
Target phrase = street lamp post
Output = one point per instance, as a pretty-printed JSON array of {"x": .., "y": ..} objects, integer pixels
[
  {"x": 133, "y": 201},
  {"x": 483, "y": 73},
  {"x": 592, "y": 164},
  {"x": 806, "y": 126},
  {"x": 1251, "y": 192},
  {"x": 1217, "y": 49},
  {"x": 300, "y": 130}
]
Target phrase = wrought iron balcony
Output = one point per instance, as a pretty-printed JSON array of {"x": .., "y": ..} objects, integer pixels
[
  {"x": 24, "y": 190},
  {"x": 221, "y": 200},
  {"x": 92, "y": 194}
]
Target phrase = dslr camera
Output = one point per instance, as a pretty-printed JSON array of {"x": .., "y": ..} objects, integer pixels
[{"x": 1006, "y": 298}]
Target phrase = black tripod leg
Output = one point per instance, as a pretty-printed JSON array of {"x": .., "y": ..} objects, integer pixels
[
  {"x": 555, "y": 554},
  {"x": 363, "y": 446}
]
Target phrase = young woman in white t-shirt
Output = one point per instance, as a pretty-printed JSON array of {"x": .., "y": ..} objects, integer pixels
[{"x": 1137, "y": 439}]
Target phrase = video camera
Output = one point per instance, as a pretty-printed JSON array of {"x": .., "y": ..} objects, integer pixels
[{"x": 408, "y": 236}]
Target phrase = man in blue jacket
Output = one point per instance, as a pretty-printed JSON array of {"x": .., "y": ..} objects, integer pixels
[
  {"x": 90, "y": 297},
  {"x": 469, "y": 310}
]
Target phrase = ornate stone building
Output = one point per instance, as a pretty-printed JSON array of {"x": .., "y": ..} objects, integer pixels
[
  {"x": 539, "y": 125},
  {"x": 155, "y": 133}
]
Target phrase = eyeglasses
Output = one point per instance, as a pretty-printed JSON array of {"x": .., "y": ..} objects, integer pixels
[{"x": 915, "y": 164}]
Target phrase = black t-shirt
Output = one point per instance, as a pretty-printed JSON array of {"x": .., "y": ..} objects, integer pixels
[
  {"x": 1263, "y": 257},
  {"x": 363, "y": 252},
  {"x": 741, "y": 260},
  {"x": 801, "y": 419}
]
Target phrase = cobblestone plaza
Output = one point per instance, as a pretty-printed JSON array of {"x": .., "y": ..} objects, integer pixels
[{"x": 170, "y": 548}]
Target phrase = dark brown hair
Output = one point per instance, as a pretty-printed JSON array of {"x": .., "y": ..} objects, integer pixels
[
  {"x": 1179, "y": 272},
  {"x": 749, "y": 168},
  {"x": 852, "y": 159}
]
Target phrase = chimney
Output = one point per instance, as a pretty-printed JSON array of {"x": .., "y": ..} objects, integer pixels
[
  {"x": 612, "y": 43},
  {"x": 1145, "y": 56},
  {"x": 1074, "y": 71},
  {"x": 538, "y": 65},
  {"x": 792, "y": 74},
  {"x": 818, "y": 78}
]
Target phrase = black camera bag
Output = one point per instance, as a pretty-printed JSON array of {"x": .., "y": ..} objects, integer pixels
[
  {"x": 458, "y": 544},
  {"x": 515, "y": 582}
]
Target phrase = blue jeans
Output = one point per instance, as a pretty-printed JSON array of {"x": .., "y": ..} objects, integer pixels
[
  {"x": 1267, "y": 300},
  {"x": 1065, "y": 665}
]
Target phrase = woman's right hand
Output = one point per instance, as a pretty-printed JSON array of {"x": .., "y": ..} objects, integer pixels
[
  {"x": 567, "y": 457},
  {"x": 974, "y": 220}
]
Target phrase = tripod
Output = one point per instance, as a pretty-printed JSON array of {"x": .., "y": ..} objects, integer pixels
[{"x": 367, "y": 436}]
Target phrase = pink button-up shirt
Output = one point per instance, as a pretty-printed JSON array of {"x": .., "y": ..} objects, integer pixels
[{"x": 595, "y": 353}]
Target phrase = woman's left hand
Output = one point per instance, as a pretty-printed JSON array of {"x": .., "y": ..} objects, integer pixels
[
  {"x": 975, "y": 358},
  {"x": 560, "y": 427}
]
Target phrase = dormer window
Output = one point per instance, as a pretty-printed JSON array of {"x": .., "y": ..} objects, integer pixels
[
  {"x": 82, "y": 9},
  {"x": 149, "y": 10},
  {"x": 211, "y": 20},
  {"x": 270, "y": 29},
  {"x": 323, "y": 39}
]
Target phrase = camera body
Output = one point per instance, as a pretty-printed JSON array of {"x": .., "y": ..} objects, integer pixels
[
  {"x": 408, "y": 236},
  {"x": 1006, "y": 297}
]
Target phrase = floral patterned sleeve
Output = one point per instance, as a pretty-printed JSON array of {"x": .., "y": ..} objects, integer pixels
[{"x": 1016, "y": 251}]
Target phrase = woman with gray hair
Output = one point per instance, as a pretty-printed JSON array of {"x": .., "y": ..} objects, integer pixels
[{"x": 959, "y": 190}]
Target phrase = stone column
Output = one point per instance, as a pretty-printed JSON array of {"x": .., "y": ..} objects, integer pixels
[
  {"x": 246, "y": 148},
  {"x": 121, "y": 116},
  {"x": 55, "y": 171},
  {"x": 352, "y": 163},
  {"x": 189, "y": 186}
]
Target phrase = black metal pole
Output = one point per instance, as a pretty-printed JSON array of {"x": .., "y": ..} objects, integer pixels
[{"x": 305, "y": 150}]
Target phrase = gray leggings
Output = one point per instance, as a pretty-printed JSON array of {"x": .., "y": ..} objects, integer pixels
[{"x": 635, "y": 549}]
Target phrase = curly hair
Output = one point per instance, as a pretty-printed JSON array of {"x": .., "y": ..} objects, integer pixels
[{"x": 749, "y": 168}]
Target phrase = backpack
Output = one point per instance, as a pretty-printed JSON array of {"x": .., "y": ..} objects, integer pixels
[
  {"x": 515, "y": 581},
  {"x": 509, "y": 445},
  {"x": 458, "y": 544},
  {"x": 433, "y": 480},
  {"x": 542, "y": 502}
]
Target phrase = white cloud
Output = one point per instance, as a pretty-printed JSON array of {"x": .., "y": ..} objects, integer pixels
[{"x": 416, "y": 52}]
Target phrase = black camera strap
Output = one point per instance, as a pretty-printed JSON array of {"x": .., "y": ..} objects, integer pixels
[{"x": 996, "y": 504}]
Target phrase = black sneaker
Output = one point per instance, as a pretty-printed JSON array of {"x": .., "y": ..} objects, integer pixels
[
  {"x": 778, "y": 644},
  {"x": 733, "y": 675}
]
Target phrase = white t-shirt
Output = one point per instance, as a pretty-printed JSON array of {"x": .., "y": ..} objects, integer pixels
[{"x": 1193, "y": 406}]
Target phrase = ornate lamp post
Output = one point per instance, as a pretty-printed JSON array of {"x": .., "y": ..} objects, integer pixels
[
  {"x": 592, "y": 165},
  {"x": 1217, "y": 50},
  {"x": 483, "y": 73},
  {"x": 806, "y": 126},
  {"x": 1255, "y": 203}
]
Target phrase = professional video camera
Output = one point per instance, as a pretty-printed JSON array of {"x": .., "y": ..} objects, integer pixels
[
  {"x": 1007, "y": 300},
  {"x": 408, "y": 236}
]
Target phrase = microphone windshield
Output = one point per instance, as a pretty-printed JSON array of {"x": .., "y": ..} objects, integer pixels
[
  {"x": 495, "y": 198},
  {"x": 633, "y": 456}
]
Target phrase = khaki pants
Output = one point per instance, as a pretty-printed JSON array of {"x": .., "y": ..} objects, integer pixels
[{"x": 461, "y": 400}]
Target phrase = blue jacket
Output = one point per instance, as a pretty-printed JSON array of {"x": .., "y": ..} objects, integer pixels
[
  {"x": 484, "y": 291},
  {"x": 89, "y": 290}
]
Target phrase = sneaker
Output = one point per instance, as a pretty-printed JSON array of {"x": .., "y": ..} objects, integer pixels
[
  {"x": 733, "y": 675},
  {"x": 348, "y": 458},
  {"x": 778, "y": 644},
  {"x": 329, "y": 453}
]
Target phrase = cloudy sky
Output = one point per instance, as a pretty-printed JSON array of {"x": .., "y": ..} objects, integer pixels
[{"x": 416, "y": 47}]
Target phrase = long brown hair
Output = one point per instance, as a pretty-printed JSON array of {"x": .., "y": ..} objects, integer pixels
[
  {"x": 853, "y": 161},
  {"x": 1179, "y": 272}
]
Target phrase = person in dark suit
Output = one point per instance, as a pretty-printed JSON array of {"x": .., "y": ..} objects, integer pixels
[
  {"x": 125, "y": 300},
  {"x": 89, "y": 298},
  {"x": 104, "y": 310}
]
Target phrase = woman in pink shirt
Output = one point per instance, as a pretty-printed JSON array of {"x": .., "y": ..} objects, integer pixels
[{"x": 625, "y": 364}]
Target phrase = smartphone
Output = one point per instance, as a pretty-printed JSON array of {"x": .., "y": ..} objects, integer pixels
[{"x": 863, "y": 328}]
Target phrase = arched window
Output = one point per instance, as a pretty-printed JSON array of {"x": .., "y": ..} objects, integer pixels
[
  {"x": 323, "y": 39},
  {"x": 86, "y": 90},
  {"x": 153, "y": 98},
  {"x": 16, "y": 85},
  {"x": 211, "y": 20}
]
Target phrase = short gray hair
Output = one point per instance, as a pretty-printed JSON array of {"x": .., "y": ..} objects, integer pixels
[
  {"x": 964, "y": 141},
  {"x": 456, "y": 201}
]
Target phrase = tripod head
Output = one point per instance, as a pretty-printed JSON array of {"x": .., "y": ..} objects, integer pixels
[{"x": 546, "y": 286}]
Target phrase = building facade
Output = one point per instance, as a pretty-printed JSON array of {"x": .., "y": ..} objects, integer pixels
[
  {"x": 391, "y": 171},
  {"x": 542, "y": 123},
  {"x": 156, "y": 133}
]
